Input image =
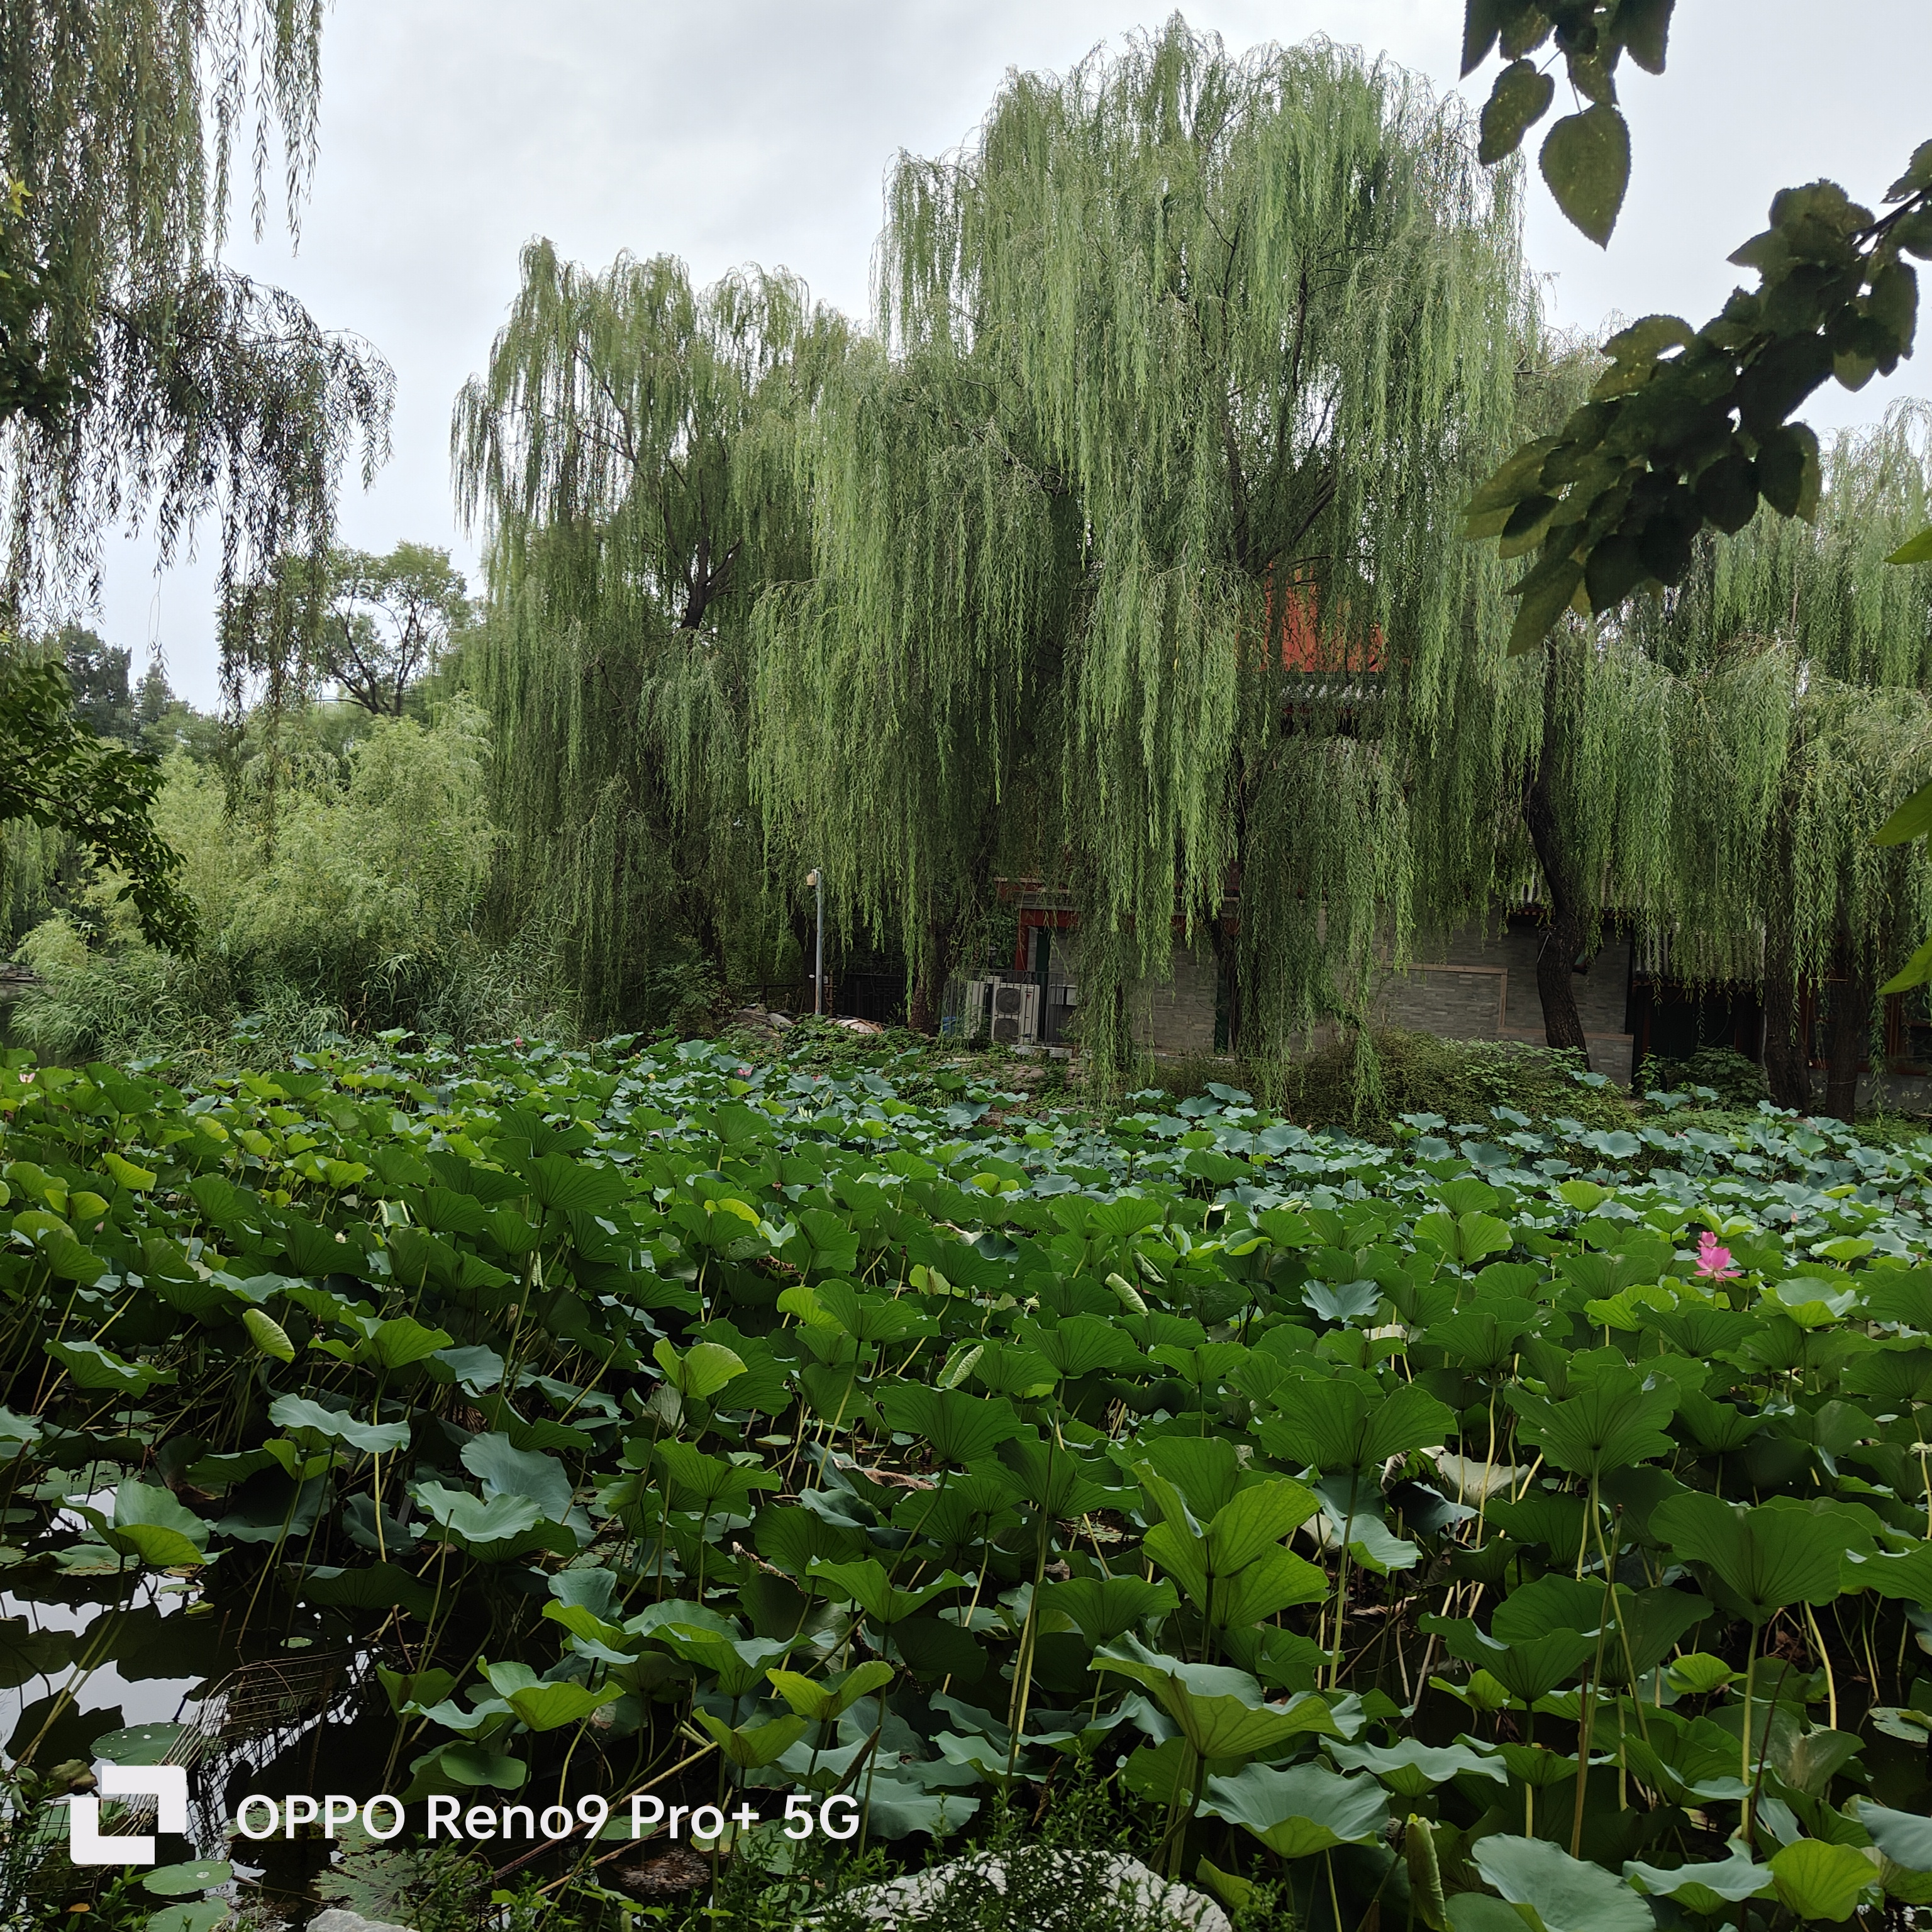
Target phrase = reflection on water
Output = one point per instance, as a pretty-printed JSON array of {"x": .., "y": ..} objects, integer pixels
[
  {"x": 138, "y": 1668},
  {"x": 134, "y": 1657}
]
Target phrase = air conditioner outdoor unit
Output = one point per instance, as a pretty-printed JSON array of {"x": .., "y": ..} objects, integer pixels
[
  {"x": 1005, "y": 1010},
  {"x": 978, "y": 1014}
]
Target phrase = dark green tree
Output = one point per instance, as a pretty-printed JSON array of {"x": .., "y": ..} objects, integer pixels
[
  {"x": 153, "y": 697},
  {"x": 1687, "y": 429},
  {"x": 55, "y": 772},
  {"x": 97, "y": 673}
]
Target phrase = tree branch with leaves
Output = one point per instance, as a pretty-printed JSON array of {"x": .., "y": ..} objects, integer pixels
[
  {"x": 56, "y": 772},
  {"x": 1688, "y": 429},
  {"x": 389, "y": 620}
]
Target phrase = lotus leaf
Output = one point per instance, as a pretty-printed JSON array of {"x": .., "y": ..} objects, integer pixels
[
  {"x": 1299, "y": 1811},
  {"x": 1561, "y": 1893}
]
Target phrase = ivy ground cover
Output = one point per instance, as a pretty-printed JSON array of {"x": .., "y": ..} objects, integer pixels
[{"x": 1521, "y": 1525}]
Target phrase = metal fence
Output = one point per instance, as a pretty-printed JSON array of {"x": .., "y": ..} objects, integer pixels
[{"x": 879, "y": 996}]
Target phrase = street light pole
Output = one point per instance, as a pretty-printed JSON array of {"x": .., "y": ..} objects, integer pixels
[{"x": 816, "y": 879}]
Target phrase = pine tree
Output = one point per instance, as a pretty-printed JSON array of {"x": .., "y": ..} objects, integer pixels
[{"x": 153, "y": 697}]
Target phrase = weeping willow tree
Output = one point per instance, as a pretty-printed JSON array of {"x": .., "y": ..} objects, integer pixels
[
  {"x": 1137, "y": 532},
  {"x": 1825, "y": 585},
  {"x": 1674, "y": 755},
  {"x": 1835, "y": 908},
  {"x": 1843, "y": 910},
  {"x": 1647, "y": 791},
  {"x": 629, "y": 454},
  {"x": 138, "y": 375},
  {"x": 1640, "y": 775},
  {"x": 906, "y": 691}
]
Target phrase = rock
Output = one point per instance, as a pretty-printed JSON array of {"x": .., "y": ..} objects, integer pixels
[
  {"x": 858, "y": 1026},
  {"x": 335, "y": 1919},
  {"x": 1045, "y": 1890},
  {"x": 757, "y": 1018}
]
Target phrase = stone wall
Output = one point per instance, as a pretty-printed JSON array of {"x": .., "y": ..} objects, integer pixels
[
  {"x": 1480, "y": 983},
  {"x": 1176, "y": 1016},
  {"x": 1475, "y": 983}
]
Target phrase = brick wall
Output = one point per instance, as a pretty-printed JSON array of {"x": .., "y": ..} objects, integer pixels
[
  {"x": 1471, "y": 984},
  {"x": 1177, "y": 1016},
  {"x": 1477, "y": 983}
]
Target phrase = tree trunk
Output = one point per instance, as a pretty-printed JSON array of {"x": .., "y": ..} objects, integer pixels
[
  {"x": 1227, "y": 958},
  {"x": 1562, "y": 1024},
  {"x": 1849, "y": 1037},
  {"x": 1787, "y": 1069},
  {"x": 710, "y": 938},
  {"x": 928, "y": 985},
  {"x": 798, "y": 923}
]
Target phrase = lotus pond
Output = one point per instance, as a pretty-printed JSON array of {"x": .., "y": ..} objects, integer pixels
[{"x": 1525, "y": 1523}]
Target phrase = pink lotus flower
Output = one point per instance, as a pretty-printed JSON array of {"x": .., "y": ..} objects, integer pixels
[{"x": 1714, "y": 1258}]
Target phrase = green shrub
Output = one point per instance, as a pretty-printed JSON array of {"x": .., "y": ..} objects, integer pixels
[
  {"x": 1461, "y": 1080},
  {"x": 1724, "y": 1072},
  {"x": 683, "y": 997},
  {"x": 357, "y": 914}
]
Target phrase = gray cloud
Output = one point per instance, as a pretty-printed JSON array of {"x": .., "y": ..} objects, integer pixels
[{"x": 750, "y": 131}]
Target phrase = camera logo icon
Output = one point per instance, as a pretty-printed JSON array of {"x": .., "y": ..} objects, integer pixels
[{"x": 166, "y": 1784}]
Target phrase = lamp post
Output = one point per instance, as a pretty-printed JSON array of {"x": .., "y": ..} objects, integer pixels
[{"x": 815, "y": 880}]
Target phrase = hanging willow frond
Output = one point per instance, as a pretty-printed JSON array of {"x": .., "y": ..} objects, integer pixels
[
  {"x": 216, "y": 395},
  {"x": 1184, "y": 356},
  {"x": 1827, "y": 587},
  {"x": 121, "y": 119},
  {"x": 1854, "y": 637},
  {"x": 137, "y": 375},
  {"x": 903, "y": 692},
  {"x": 627, "y": 455}
]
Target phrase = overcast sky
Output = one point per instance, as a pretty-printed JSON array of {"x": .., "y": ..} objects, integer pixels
[{"x": 728, "y": 131}]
